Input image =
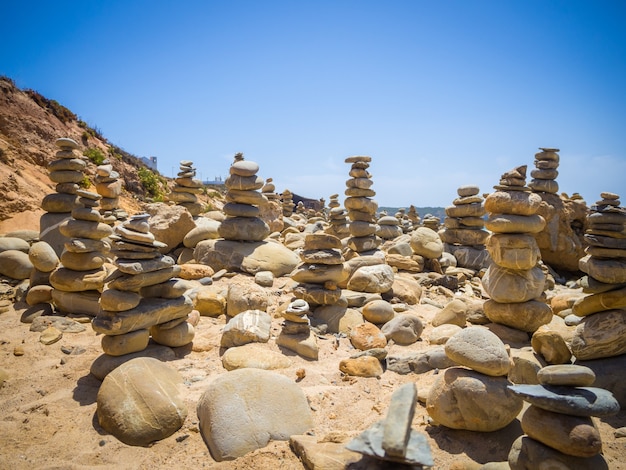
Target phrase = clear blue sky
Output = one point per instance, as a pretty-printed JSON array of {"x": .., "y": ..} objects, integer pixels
[{"x": 439, "y": 93}]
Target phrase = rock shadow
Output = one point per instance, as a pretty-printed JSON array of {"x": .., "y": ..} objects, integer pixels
[{"x": 86, "y": 390}]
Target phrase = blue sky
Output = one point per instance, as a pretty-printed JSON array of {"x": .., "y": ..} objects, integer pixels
[{"x": 439, "y": 93}]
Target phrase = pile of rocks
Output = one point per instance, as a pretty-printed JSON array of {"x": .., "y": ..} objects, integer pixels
[
  {"x": 269, "y": 190},
  {"x": 288, "y": 204},
  {"x": 464, "y": 235},
  {"x": 142, "y": 298},
  {"x": 545, "y": 173},
  {"x": 389, "y": 227},
  {"x": 432, "y": 222},
  {"x": 413, "y": 216},
  {"x": 602, "y": 332},
  {"x": 109, "y": 186},
  {"x": 80, "y": 278},
  {"x": 296, "y": 334},
  {"x": 515, "y": 281},
  {"x": 185, "y": 191},
  {"x": 361, "y": 207},
  {"x": 337, "y": 219},
  {"x": 242, "y": 222},
  {"x": 558, "y": 422}
]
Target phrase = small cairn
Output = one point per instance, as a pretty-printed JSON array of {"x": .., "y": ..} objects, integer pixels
[
  {"x": 463, "y": 234},
  {"x": 361, "y": 207},
  {"x": 80, "y": 278},
  {"x": 545, "y": 173},
  {"x": 337, "y": 218},
  {"x": 296, "y": 334},
  {"x": 242, "y": 222},
  {"x": 602, "y": 332},
  {"x": 288, "y": 204},
  {"x": 558, "y": 423},
  {"x": 432, "y": 222},
  {"x": 142, "y": 299},
  {"x": 413, "y": 216},
  {"x": 186, "y": 189},
  {"x": 109, "y": 186},
  {"x": 389, "y": 227},
  {"x": 269, "y": 190},
  {"x": 515, "y": 280},
  {"x": 67, "y": 170}
]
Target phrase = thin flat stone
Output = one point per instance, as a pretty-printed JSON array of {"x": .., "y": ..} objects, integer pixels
[
  {"x": 397, "y": 429},
  {"x": 566, "y": 374}
]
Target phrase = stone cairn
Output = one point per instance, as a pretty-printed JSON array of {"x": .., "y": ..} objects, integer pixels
[
  {"x": 242, "y": 222},
  {"x": 389, "y": 227},
  {"x": 142, "y": 299},
  {"x": 514, "y": 280},
  {"x": 413, "y": 216},
  {"x": 463, "y": 233},
  {"x": 269, "y": 190},
  {"x": 288, "y": 204},
  {"x": 432, "y": 222},
  {"x": 361, "y": 207},
  {"x": 80, "y": 278},
  {"x": 602, "y": 332},
  {"x": 558, "y": 423},
  {"x": 109, "y": 186},
  {"x": 186, "y": 189},
  {"x": 337, "y": 218},
  {"x": 545, "y": 173},
  {"x": 296, "y": 334}
]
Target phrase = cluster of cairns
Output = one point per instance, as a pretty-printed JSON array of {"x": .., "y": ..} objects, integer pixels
[
  {"x": 515, "y": 280},
  {"x": 288, "y": 204},
  {"x": 339, "y": 225},
  {"x": 143, "y": 298},
  {"x": 602, "y": 332},
  {"x": 186, "y": 189},
  {"x": 109, "y": 186},
  {"x": 464, "y": 235},
  {"x": 242, "y": 222},
  {"x": 545, "y": 173}
]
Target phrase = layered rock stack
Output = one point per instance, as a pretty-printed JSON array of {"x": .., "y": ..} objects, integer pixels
[
  {"x": 142, "y": 299},
  {"x": 67, "y": 170},
  {"x": 337, "y": 218},
  {"x": 545, "y": 173},
  {"x": 463, "y": 234},
  {"x": 186, "y": 189},
  {"x": 389, "y": 227},
  {"x": 514, "y": 280},
  {"x": 558, "y": 423},
  {"x": 288, "y": 204},
  {"x": 361, "y": 207},
  {"x": 296, "y": 334},
  {"x": 602, "y": 332},
  {"x": 269, "y": 190},
  {"x": 109, "y": 186},
  {"x": 242, "y": 222},
  {"x": 413, "y": 216},
  {"x": 80, "y": 278},
  {"x": 432, "y": 222}
]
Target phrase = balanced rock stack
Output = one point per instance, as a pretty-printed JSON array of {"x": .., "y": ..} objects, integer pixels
[
  {"x": 432, "y": 222},
  {"x": 288, "y": 204},
  {"x": 109, "y": 186},
  {"x": 463, "y": 234},
  {"x": 545, "y": 173},
  {"x": 514, "y": 280},
  {"x": 66, "y": 171},
  {"x": 296, "y": 334},
  {"x": 413, "y": 216},
  {"x": 185, "y": 191},
  {"x": 242, "y": 222},
  {"x": 80, "y": 278},
  {"x": 389, "y": 227},
  {"x": 602, "y": 332},
  {"x": 142, "y": 299},
  {"x": 269, "y": 190},
  {"x": 337, "y": 218},
  {"x": 558, "y": 423},
  {"x": 361, "y": 207}
]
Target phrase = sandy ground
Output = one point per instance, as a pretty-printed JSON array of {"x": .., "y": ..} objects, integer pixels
[{"x": 48, "y": 406}]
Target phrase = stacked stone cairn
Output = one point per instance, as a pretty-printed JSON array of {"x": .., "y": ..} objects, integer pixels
[
  {"x": 413, "y": 216},
  {"x": 361, "y": 207},
  {"x": 109, "y": 186},
  {"x": 602, "y": 332},
  {"x": 337, "y": 218},
  {"x": 269, "y": 190},
  {"x": 80, "y": 278},
  {"x": 545, "y": 173},
  {"x": 296, "y": 334},
  {"x": 463, "y": 234},
  {"x": 288, "y": 204},
  {"x": 186, "y": 189},
  {"x": 515, "y": 280},
  {"x": 432, "y": 222},
  {"x": 242, "y": 222},
  {"x": 558, "y": 423},
  {"x": 389, "y": 227},
  {"x": 67, "y": 170},
  {"x": 142, "y": 298}
]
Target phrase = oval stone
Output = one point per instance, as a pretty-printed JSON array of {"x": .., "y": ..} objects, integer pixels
[
  {"x": 479, "y": 349},
  {"x": 43, "y": 257},
  {"x": 507, "y": 223},
  {"x": 566, "y": 374},
  {"x": 244, "y": 168},
  {"x": 513, "y": 286},
  {"x": 513, "y": 202}
]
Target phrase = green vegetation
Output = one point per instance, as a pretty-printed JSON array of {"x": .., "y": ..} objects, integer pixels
[
  {"x": 85, "y": 183},
  {"x": 151, "y": 183},
  {"x": 95, "y": 155}
]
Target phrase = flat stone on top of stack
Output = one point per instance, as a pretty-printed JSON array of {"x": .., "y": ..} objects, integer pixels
[
  {"x": 78, "y": 281},
  {"x": 545, "y": 173},
  {"x": 288, "y": 204},
  {"x": 602, "y": 332},
  {"x": 337, "y": 218},
  {"x": 514, "y": 281},
  {"x": 185, "y": 191},
  {"x": 142, "y": 299},
  {"x": 242, "y": 222},
  {"x": 269, "y": 190},
  {"x": 361, "y": 207},
  {"x": 389, "y": 227},
  {"x": 109, "y": 186},
  {"x": 296, "y": 334},
  {"x": 431, "y": 221}
]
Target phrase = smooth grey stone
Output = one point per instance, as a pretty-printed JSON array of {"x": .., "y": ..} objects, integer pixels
[{"x": 397, "y": 428}]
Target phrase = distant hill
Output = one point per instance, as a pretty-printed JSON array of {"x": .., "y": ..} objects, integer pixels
[{"x": 422, "y": 211}]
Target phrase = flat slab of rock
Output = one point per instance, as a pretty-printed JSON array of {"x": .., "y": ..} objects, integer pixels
[{"x": 254, "y": 355}]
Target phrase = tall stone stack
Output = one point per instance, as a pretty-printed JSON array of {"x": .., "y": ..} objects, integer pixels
[
  {"x": 142, "y": 299},
  {"x": 545, "y": 173},
  {"x": 514, "y": 280},
  {"x": 109, "y": 186},
  {"x": 361, "y": 207},
  {"x": 186, "y": 189},
  {"x": 463, "y": 233},
  {"x": 558, "y": 424},
  {"x": 242, "y": 222},
  {"x": 337, "y": 218},
  {"x": 288, "y": 204},
  {"x": 67, "y": 170},
  {"x": 602, "y": 332},
  {"x": 79, "y": 279}
]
